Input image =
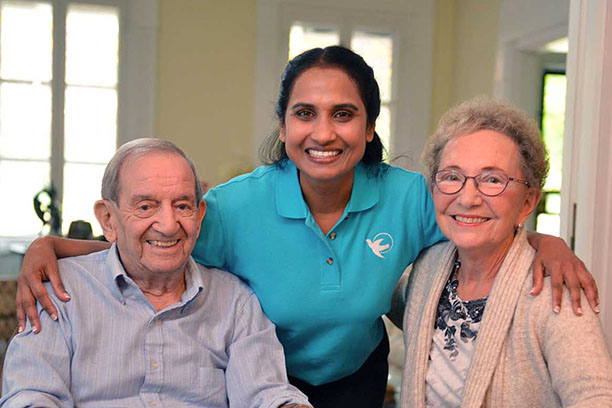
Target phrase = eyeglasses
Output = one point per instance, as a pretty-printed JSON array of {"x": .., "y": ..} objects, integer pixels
[{"x": 490, "y": 183}]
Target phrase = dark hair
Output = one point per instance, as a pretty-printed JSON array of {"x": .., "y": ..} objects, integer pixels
[{"x": 272, "y": 151}]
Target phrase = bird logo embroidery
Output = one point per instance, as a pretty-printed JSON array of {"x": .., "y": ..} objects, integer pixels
[{"x": 380, "y": 244}]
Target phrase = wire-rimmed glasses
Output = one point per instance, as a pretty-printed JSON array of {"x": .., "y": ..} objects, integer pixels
[{"x": 490, "y": 183}]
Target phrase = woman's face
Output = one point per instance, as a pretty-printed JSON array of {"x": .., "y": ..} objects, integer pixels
[
  {"x": 470, "y": 219},
  {"x": 325, "y": 129}
]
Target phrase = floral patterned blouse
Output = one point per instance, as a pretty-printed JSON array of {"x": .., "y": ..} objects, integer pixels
[{"x": 454, "y": 340}]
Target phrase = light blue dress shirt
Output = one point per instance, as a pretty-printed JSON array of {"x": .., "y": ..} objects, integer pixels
[
  {"x": 110, "y": 348},
  {"x": 324, "y": 293}
]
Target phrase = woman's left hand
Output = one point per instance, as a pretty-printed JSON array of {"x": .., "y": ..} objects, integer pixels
[{"x": 555, "y": 259}]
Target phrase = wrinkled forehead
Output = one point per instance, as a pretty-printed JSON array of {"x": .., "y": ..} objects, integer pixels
[
  {"x": 153, "y": 171},
  {"x": 481, "y": 150}
]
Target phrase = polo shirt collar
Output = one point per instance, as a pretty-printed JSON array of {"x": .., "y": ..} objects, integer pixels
[{"x": 290, "y": 201}]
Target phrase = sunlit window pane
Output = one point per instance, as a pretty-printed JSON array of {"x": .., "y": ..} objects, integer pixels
[
  {"x": 553, "y": 203},
  {"x": 91, "y": 124},
  {"x": 303, "y": 37},
  {"x": 19, "y": 182},
  {"x": 377, "y": 51},
  {"x": 81, "y": 190},
  {"x": 26, "y": 38},
  {"x": 548, "y": 224},
  {"x": 553, "y": 126},
  {"x": 25, "y": 121},
  {"x": 92, "y": 45},
  {"x": 383, "y": 126}
]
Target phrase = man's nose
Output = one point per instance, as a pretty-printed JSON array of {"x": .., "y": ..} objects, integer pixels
[{"x": 167, "y": 220}]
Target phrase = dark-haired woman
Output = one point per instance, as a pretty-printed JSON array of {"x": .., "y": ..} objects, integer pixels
[{"x": 323, "y": 234}]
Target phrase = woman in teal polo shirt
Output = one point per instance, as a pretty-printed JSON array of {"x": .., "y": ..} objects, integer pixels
[{"x": 323, "y": 233}]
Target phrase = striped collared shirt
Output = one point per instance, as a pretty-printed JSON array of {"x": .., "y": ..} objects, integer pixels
[{"x": 110, "y": 347}]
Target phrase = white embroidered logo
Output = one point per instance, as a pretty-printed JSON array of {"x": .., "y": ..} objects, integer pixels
[{"x": 380, "y": 244}]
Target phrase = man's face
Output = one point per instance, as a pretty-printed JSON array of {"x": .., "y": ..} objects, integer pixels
[{"x": 157, "y": 219}]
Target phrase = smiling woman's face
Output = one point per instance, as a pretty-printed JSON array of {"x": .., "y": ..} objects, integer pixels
[
  {"x": 471, "y": 220},
  {"x": 325, "y": 129}
]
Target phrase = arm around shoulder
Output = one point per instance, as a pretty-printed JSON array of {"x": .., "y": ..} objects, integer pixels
[{"x": 577, "y": 357}]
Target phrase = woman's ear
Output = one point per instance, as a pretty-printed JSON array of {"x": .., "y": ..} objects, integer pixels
[
  {"x": 105, "y": 215},
  {"x": 370, "y": 132},
  {"x": 281, "y": 131},
  {"x": 531, "y": 201}
]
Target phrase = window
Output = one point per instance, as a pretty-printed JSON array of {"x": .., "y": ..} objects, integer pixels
[
  {"x": 59, "y": 70},
  {"x": 548, "y": 220},
  {"x": 377, "y": 50}
]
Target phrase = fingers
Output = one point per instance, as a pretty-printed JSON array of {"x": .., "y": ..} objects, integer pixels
[
  {"x": 40, "y": 293},
  {"x": 56, "y": 282},
  {"x": 21, "y": 316},
  {"x": 574, "y": 289},
  {"x": 538, "y": 279},
  {"x": 26, "y": 306},
  {"x": 588, "y": 285},
  {"x": 556, "y": 283}
]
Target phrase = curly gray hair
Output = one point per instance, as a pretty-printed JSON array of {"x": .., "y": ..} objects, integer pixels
[
  {"x": 138, "y": 148},
  {"x": 488, "y": 114}
]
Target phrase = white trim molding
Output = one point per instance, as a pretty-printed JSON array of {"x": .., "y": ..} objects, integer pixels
[{"x": 586, "y": 198}]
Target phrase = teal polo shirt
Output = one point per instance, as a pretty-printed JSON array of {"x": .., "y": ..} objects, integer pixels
[{"x": 324, "y": 292}]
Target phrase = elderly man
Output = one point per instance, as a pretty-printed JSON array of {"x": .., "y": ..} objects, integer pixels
[{"x": 149, "y": 326}]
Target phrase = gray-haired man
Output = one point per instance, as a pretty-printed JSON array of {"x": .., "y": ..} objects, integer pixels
[{"x": 148, "y": 326}]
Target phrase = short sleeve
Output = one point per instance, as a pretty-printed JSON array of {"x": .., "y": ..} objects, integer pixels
[
  {"x": 431, "y": 232},
  {"x": 209, "y": 249}
]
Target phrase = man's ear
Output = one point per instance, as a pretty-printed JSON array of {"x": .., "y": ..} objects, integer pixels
[
  {"x": 105, "y": 215},
  {"x": 201, "y": 213}
]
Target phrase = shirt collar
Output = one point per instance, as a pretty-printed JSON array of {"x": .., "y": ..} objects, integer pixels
[
  {"x": 122, "y": 285},
  {"x": 290, "y": 202}
]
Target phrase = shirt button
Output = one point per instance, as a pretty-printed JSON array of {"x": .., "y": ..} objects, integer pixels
[
  {"x": 330, "y": 261},
  {"x": 332, "y": 236},
  {"x": 153, "y": 404},
  {"x": 154, "y": 365}
]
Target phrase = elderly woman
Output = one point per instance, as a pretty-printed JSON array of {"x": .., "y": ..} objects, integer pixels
[{"x": 474, "y": 335}]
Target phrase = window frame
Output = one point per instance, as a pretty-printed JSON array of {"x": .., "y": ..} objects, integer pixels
[
  {"x": 411, "y": 26},
  {"x": 138, "y": 23}
]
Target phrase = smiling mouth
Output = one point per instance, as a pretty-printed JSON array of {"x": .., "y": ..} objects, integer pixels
[
  {"x": 163, "y": 244},
  {"x": 469, "y": 220},
  {"x": 323, "y": 154}
]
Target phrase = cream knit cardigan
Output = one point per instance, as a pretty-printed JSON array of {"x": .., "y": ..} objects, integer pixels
[{"x": 526, "y": 355}]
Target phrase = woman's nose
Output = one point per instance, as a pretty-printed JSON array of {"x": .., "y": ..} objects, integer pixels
[
  {"x": 324, "y": 132},
  {"x": 469, "y": 195}
]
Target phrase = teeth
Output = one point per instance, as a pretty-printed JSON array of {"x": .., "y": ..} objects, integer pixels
[
  {"x": 470, "y": 220},
  {"x": 163, "y": 244},
  {"x": 323, "y": 154}
]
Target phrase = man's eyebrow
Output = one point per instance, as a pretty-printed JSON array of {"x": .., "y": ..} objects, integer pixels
[
  {"x": 146, "y": 197},
  {"x": 141, "y": 197}
]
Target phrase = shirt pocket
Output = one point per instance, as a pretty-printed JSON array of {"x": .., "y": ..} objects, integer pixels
[{"x": 212, "y": 387}]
